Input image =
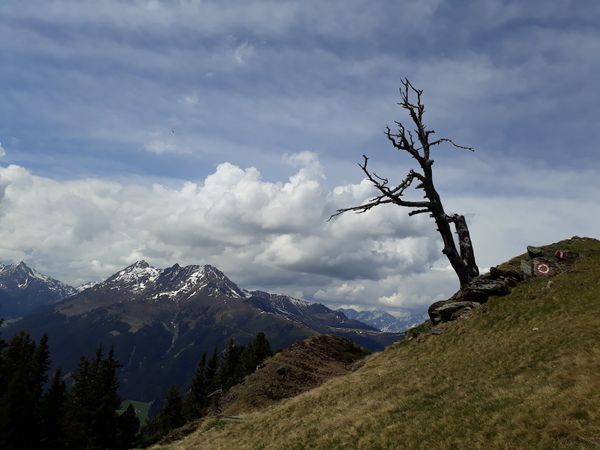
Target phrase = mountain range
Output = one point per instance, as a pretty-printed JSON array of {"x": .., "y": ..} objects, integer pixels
[
  {"x": 162, "y": 320},
  {"x": 23, "y": 289},
  {"x": 383, "y": 320}
]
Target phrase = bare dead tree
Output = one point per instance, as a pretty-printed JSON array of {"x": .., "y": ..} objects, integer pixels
[{"x": 418, "y": 144}]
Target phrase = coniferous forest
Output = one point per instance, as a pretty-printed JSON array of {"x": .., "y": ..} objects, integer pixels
[
  {"x": 213, "y": 376},
  {"x": 43, "y": 410}
]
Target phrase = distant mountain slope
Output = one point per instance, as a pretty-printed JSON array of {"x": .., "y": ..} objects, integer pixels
[
  {"x": 23, "y": 289},
  {"x": 161, "y": 320},
  {"x": 520, "y": 372},
  {"x": 381, "y": 320}
]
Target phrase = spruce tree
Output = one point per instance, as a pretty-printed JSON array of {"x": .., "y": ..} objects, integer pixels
[
  {"x": 255, "y": 353},
  {"x": 93, "y": 420},
  {"x": 53, "y": 413},
  {"x": 196, "y": 401},
  {"x": 211, "y": 371},
  {"x": 129, "y": 426},
  {"x": 107, "y": 401},
  {"x": 81, "y": 402},
  {"x": 229, "y": 372},
  {"x": 171, "y": 414},
  {"x": 24, "y": 367},
  {"x": 262, "y": 348}
]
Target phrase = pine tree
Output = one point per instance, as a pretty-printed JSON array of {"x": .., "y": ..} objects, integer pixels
[
  {"x": 93, "y": 420},
  {"x": 255, "y": 353},
  {"x": 196, "y": 401},
  {"x": 229, "y": 372},
  {"x": 211, "y": 371},
  {"x": 3, "y": 374},
  {"x": 171, "y": 414},
  {"x": 129, "y": 425},
  {"x": 107, "y": 401},
  {"x": 53, "y": 414},
  {"x": 24, "y": 371},
  {"x": 262, "y": 348},
  {"x": 81, "y": 404}
]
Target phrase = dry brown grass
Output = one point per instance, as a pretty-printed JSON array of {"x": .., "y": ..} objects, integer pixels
[
  {"x": 489, "y": 381},
  {"x": 299, "y": 368}
]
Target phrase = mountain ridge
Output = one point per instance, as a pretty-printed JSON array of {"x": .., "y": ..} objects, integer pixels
[
  {"x": 162, "y": 320},
  {"x": 23, "y": 289},
  {"x": 382, "y": 320}
]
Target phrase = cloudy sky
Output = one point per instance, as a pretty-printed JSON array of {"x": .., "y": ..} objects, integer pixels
[{"x": 228, "y": 132}]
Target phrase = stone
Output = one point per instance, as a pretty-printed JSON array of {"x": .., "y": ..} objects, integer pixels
[
  {"x": 436, "y": 331},
  {"x": 449, "y": 310},
  {"x": 534, "y": 251},
  {"x": 527, "y": 268},
  {"x": 496, "y": 283},
  {"x": 543, "y": 268},
  {"x": 481, "y": 288},
  {"x": 564, "y": 255},
  {"x": 433, "y": 316},
  {"x": 463, "y": 313}
]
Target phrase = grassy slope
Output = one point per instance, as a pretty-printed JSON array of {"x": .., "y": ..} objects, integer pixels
[
  {"x": 489, "y": 381},
  {"x": 307, "y": 363}
]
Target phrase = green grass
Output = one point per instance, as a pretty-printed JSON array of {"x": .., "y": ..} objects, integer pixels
[{"x": 522, "y": 372}]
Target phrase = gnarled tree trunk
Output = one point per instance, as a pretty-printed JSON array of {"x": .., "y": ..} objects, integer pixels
[{"x": 462, "y": 259}]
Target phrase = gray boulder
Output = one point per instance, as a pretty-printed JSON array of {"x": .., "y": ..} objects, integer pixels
[{"x": 448, "y": 310}]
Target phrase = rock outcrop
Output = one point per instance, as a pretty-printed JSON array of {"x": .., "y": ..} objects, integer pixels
[{"x": 537, "y": 262}]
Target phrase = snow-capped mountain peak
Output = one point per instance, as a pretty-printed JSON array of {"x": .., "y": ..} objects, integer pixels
[
  {"x": 23, "y": 288},
  {"x": 382, "y": 320},
  {"x": 20, "y": 276},
  {"x": 176, "y": 283},
  {"x": 135, "y": 277}
]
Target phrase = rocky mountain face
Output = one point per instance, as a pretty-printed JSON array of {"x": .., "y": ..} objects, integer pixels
[
  {"x": 23, "y": 289},
  {"x": 381, "y": 320},
  {"x": 161, "y": 320}
]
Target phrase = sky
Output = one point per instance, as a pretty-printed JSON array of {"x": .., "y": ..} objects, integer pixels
[{"x": 227, "y": 133}]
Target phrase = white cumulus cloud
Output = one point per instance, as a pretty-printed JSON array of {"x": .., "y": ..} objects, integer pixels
[
  {"x": 274, "y": 235},
  {"x": 261, "y": 233}
]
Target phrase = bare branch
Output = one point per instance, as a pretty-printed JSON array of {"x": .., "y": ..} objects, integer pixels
[
  {"x": 361, "y": 208},
  {"x": 384, "y": 181},
  {"x": 418, "y": 211},
  {"x": 439, "y": 141}
]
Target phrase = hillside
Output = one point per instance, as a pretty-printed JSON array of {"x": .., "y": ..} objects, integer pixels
[
  {"x": 296, "y": 369},
  {"x": 519, "y": 372},
  {"x": 299, "y": 368}
]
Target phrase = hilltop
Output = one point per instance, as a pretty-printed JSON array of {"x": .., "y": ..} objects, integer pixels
[{"x": 520, "y": 371}]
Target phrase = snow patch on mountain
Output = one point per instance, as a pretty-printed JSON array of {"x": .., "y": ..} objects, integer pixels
[
  {"x": 89, "y": 285},
  {"x": 23, "y": 289},
  {"x": 137, "y": 276},
  {"x": 175, "y": 283},
  {"x": 22, "y": 277}
]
